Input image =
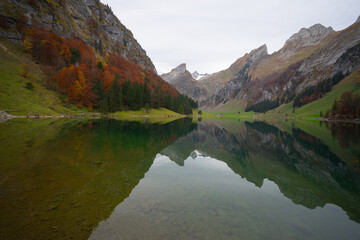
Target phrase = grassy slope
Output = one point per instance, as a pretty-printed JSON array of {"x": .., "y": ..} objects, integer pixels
[
  {"x": 161, "y": 115},
  {"x": 313, "y": 109},
  {"x": 231, "y": 110},
  {"x": 20, "y": 100}
]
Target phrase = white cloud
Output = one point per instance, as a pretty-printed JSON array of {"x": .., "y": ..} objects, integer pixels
[{"x": 209, "y": 35}]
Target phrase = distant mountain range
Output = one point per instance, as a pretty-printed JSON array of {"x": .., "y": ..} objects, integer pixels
[{"x": 307, "y": 58}]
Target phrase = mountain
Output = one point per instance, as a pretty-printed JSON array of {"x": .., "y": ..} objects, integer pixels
[
  {"x": 307, "y": 58},
  {"x": 88, "y": 20},
  {"x": 80, "y": 52},
  {"x": 181, "y": 79}
]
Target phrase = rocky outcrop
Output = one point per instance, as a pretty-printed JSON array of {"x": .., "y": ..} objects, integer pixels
[
  {"x": 88, "y": 20},
  {"x": 175, "y": 73},
  {"x": 307, "y": 37},
  {"x": 233, "y": 87},
  {"x": 182, "y": 80}
]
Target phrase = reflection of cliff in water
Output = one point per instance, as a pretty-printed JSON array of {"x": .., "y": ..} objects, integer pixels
[
  {"x": 63, "y": 187},
  {"x": 304, "y": 168}
]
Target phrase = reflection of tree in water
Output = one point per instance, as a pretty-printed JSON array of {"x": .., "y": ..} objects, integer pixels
[
  {"x": 348, "y": 134},
  {"x": 64, "y": 187},
  {"x": 312, "y": 143}
]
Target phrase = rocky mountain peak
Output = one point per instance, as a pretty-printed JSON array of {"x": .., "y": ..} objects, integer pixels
[
  {"x": 258, "y": 53},
  {"x": 195, "y": 74},
  {"x": 176, "y": 73},
  {"x": 309, "y": 36},
  {"x": 180, "y": 69}
]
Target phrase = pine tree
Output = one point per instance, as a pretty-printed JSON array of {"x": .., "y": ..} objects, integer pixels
[
  {"x": 115, "y": 96},
  {"x": 167, "y": 101},
  {"x": 147, "y": 95},
  {"x": 181, "y": 109},
  {"x": 156, "y": 98},
  {"x": 125, "y": 90}
]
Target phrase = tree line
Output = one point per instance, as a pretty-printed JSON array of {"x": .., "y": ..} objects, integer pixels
[
  {"x": 313, "y": 93},
  {"x": 263, "y": 106}
]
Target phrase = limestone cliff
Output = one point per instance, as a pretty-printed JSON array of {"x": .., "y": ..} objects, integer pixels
[
  {"x": 181, "y": 79},
  {"x": 88, "y": 20}
]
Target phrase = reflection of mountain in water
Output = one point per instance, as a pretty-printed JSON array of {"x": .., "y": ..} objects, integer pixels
[
  {"x": 304, "y": 168},
  {"x": 63, "y": 187}
]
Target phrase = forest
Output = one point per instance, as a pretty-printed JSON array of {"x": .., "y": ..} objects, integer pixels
[{"x": 103, "y": 81}]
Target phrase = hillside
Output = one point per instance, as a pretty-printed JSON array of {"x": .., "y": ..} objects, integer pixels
[
  {"x": 90, "y": 20},
  {"x": 319, "y": 107},
  {"x": 307, "y": 58},
  {"x": 78, "y": 54},
  {"x": 21, "y": 95}
]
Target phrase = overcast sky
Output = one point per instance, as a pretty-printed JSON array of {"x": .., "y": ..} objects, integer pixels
[{"x": 209, "y": 35}]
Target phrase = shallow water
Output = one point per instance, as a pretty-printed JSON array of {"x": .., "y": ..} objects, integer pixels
[{"x": 109, "y": 179}]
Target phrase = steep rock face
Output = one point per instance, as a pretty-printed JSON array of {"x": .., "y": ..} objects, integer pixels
[
  {"x": 182, "y": 80},
  {"x": 88, "y": 20},
  {"x": 321, "y": 64},
  {"x": 307, "y": 37},
  {"x": 175, "y": 73},
  {"x": 232, "y": 87}
]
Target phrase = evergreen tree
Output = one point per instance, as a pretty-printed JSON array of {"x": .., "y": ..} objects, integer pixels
[
  {"x": 139, "y": 95},
  {"x": 167, "y": 101},
  {"x": 115, "y": 96},
  {"x": 104, "y": 103},
  {"x": 181, "y": 109},
  {"x": 156, "y": 98},
  {"x": 102, "y": 98},
  {"x": 125, "y": 90},
  {"x": 131, "y": 98},
  {"x": 147, "y": 95}
]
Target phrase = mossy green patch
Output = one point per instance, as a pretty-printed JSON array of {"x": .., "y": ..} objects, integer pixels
[{"x": 161, "y": 115}]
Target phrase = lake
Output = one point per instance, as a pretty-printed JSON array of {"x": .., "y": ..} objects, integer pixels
[{"x": 214, "y": 179}]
